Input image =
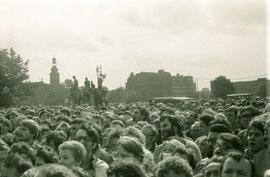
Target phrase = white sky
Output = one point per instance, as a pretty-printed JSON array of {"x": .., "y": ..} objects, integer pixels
[{"x": 202, "y": 38}]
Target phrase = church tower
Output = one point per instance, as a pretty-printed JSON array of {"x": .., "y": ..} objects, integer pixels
[{"x": 54, "y": 75}]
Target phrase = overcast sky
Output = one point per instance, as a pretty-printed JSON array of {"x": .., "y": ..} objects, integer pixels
[{"x": 202, "y": 38}]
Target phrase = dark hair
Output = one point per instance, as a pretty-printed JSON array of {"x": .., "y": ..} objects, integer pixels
[
  {"x": 220, "y": 128},
  {"x": 65, "y": 110},
  {"x": 237, "y": 156},
  {"x": 6, "y": 122},
  {"x": 252, "y": 109},
  {"x": 167, "y": 110},
  {"x": 258, "y": 124},
  {"x": 63, "y": 118},
  {"x": 42, "y": 112},
  {"x": 175, "y": 122},
  {"x": 233, "y": 109},
  {"x": 175, "y": 164},
  {"x": 233, "y": 141},
  {"x": 91, "y": 132},
  {"x": 125, "y": 169},
  {"x": 220, "y": 120},
  {"x": 17, "y": 161},
  {"x": 145, "y": 113},
  {"x": 206, "y": 119},
  {"x": 152, "y": 128},
  {"x": 47, "y": 154},
  {"x": 23, "y": 148},
  {"x": 57, "y": 137},
  {"x": 114, "y": 134}
]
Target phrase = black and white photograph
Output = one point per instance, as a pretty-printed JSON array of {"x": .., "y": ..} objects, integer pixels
[{"x": 134, "y": 88}]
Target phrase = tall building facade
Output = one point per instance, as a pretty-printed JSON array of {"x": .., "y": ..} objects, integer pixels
[
  {"x": 54, "y": 74},
  {"x": 183, "y": 86},
  {"x": 255, "y": 87},
  {"x": 161, "y": 84}
]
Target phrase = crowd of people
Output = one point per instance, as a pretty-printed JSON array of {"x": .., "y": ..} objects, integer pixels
[{"x": 196, "y": 138}]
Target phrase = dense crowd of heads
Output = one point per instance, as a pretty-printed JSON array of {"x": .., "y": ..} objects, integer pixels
[{"x": 195, "y": 138}]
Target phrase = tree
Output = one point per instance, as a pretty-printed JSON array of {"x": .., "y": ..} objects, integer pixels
[
  {"x": 68, "y": 82},
  {"x": 221, "y": 87},
  {"x": 13, "y": 71},
  {"x": 117, "y": 95}
]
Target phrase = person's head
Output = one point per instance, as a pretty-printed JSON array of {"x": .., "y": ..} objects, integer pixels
[
  {"x": 169, "y": 147},
  {"x": 231, "y": 114},
  {"x": 107, "y": 119},
  {"x": 44, "y": 115},
  {"x": 27, "y": 131},
  {"x": 64, "y": 126},
  {"x": 65, "y": 111},
  {"x": 226, "y": 143},
  {"x": 74, "y": 127},
  {"x": 71, "y": 153},
  {"x": 117, "y": 125},
  {"x": 135, "y": 133},
  {"x": 112, "y": 141},
  {"x": 195, "y": 130},
  {"x": 24, "y": 150},
  {"x": 170, "y": 126},
  {"x": 5, "y": 126},
  {"x": 174, "y": 167},
  {"x": 45, "y": 154},
  {"x": 88, "y": 136},
  {"x": 237, "y": 165},
  {"x": 150, "y": 132},
  {"x": 74, "y": 77},
  {"x": 54, "y": 170},
  {"x": 246, "y": 114},
  {"x": 213, "y": 134},
  {"x": 98, "y": 120},
  {"x": 15, "y": 165},
  {"x": 55, "y": 138},
  {"x": 212, "y": 168},
  {"x": 205, "y": 120},
  {"x": 141, "y": 114},
  {"x": 121, "y": 168},
  {"x": 202, "y": 144},
  {"x": 4, "y": 148},
  {"x": 129, "y": 148},
  {"x": 256, "y": 138},
  {"x": 191, "y": 118},
  {"x": 12, "y": 116}
]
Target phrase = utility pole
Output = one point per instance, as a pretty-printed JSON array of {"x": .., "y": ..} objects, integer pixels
[{"x": 197, "y": 84}]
